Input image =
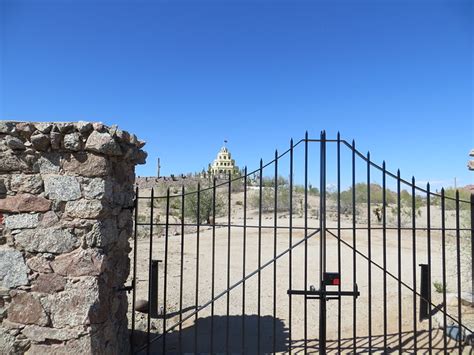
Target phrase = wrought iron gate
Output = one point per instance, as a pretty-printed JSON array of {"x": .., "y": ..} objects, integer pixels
[{"x": 228, "y": 266}]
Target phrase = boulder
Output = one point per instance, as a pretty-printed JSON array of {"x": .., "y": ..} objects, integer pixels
[{"x": 103, "y": 143}]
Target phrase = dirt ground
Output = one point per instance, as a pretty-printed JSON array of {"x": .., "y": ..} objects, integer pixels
[{"x": 247, "y": 315}]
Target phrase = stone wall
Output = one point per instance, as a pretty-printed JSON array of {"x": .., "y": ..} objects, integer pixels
[{"x": 66, "y": 200}]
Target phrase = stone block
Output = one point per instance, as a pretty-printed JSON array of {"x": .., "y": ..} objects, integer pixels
[
  {"x": 28, "y": 183},
  {"x": 39, "y": 264},
  {"x": 15, "y": 143},
  {"x": 40, "y": 141},
  {"x": 97, "y": 188},
  {"x": 48, "y": 163},
  {"x": 86, "y": 164},
  {"x": 24, "y": 203},
  {"x": 103, "y": 143},
  {"x": 23, "y": 220},
  {"x": 13, "y": 270},
  {"x": 10, "y": 162},
  {"x": 49, "y": 283},
  {"x": 26, "y": 308},
  {"x": 81, "y": 262},
  {"x": 88, "y": 209},
  {"x": 41, "y": 334},
  {"x": 72, "y": 141},
  {"x": 62, "y": 187},
  {"x": 47, "y": 240}
]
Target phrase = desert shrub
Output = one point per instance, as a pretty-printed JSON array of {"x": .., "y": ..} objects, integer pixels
[
  {"x": 464, "y": 194},
  {"x": 205, "y": 205},
  {"x": 268, "y": 199}
]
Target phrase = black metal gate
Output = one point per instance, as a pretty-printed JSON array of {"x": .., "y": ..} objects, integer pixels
[{"x": 228, "y": 264}]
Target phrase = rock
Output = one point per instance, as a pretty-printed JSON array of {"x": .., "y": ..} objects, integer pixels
[
  {"x": 102, "y": 234},
  {"x": 10, "y": 162},
  {"x": 49, "y": 219},
  {"x": 72, "y": 141},
  {"x": 48, "y": 240},
  {"x": 27, "y": 309},
  {"x": 84, "y": 209},
  {"x": 44, "y": 127},
  {"x": 84, "y": 127},
  {"x": 81, "y": 262},
  {"x": 25, "y": 128},
  {"x": 40, "y": 141},
  {"x": 13, "y": 270},
  {"x": 15, "y": 143},
  {"x": 24, "y": 203},
  {"x": 85, "y": 164},
  {"x": 6, "y": 127},
  {"x": 49, "y": 283},
  {"x": 23, "y": 220},
  {"x": 41, "y": 334},
  {"x": 75, "y": 305},
  {"x": 55, "y": 138},
  {"x": 32, "y": 184},
  {"x": 7, "y": 342},
  {"x": 97, "y": 189},
  {"x": 66, "y": 127},
  {"x": 140, "y": 144},
  {"x": 62, "y": 187},
  {"x": 141, "y": 306},
  {"x": 103, "y": 143},
  {"x": 48, "y": 163},
  {"x": 39, "y": 264}
]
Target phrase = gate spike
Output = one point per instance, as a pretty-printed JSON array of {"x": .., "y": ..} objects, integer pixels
[
  {"x": 383, "y": 165},
  {"x": 291, "y": 142},
  {"x": 368, "y": 156},
  {"x": 306, "y": 135},
  {"x": 428, "y": 186},
  {"x": 338, "y": 135},
  {"x": 353, "y": 144}
]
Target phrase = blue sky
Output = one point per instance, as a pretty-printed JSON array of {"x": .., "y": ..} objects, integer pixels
[{"x": 396, "y": 76}]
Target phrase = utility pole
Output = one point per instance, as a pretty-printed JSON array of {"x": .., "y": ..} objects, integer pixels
[{"x": 158, "y": 168}]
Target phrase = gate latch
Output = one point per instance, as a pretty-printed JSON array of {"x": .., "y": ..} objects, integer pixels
[{"x": 329, "y": 279}]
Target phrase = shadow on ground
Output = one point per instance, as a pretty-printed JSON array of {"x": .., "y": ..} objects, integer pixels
[{"x": 187, "y": 342}]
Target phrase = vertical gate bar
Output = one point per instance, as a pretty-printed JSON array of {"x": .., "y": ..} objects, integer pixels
[
  {"x": 384, "y": 245},
  {"x": 472, "y": 247},
  {"x": 306, "y": 241},
  {"x": 134, "y": 280},
  {"x": 165, "y": 276},
  {"x": 339, "y": 239},
  {"x": 443, "y": 249},
  {"x": 290, "y": 232},
  {"x": 399, "y": 237},
  {"x": 149, "y": 273},
  {"x": 229, "y": 192},
  {"x": 213, "y": 261},
  {"x": 196, "y": 296},
  {"x": 458, "y": 262},
  {"x": 322, "y": 244},
  {"x": 181, "y": 273},
  {"x": 428, "y": 230},
  {"x": 354, "y": 253},
  {"x": 369, "y": 254},
  {"x": 244, "y": 254},
  {"x": 275, "y": 226},
  {"x": 259, "y": 254},
  {"x": 413, "y": 217}
]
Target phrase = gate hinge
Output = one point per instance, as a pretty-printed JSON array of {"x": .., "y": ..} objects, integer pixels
[{"x": 126, "y": 288}]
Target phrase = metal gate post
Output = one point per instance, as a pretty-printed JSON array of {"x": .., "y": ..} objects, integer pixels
[{"x": 322, "y": 247}]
